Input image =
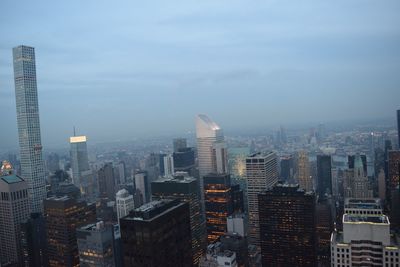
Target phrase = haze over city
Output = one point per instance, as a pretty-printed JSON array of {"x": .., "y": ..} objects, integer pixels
[{"x": 123, "y": 70}]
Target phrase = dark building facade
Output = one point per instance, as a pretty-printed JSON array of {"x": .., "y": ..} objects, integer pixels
[
  {"x": 287, "y": 226},
  {"x": 106, "y": 180},
  {"x": 398, "y": 128},
  {"x": 238, "y": 244},
  {"x": 63, "y": 216},
  {"x": 324, "y": 228},
  {"x": 157, "y": 234},
  {"x": 184, "y": 160},
  {"x": 287, "y": 168},
  {"x": 218, "y": 204},
  {"x": 324, "y": 175},
  {"x": 237, "y": 199},
  {"x": 186, "y": 189},
  {"x": 34, "y": 242}
]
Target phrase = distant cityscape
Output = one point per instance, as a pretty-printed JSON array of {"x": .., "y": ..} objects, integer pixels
[{"x": 328, "y": 195}]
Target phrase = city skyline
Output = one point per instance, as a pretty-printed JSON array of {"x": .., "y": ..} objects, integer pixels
[{"x": 302, "y": 66}]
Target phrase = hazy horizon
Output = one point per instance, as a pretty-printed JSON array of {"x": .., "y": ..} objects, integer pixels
[{"x": 129, "y": 70}]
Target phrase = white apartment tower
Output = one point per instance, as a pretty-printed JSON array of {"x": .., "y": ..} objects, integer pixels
[
  {"x": 261, "y": 173},
  {"x": 169, "y": 168},
  {"x": 125, "y": 203},
  {"x": 26, "y": 95}
]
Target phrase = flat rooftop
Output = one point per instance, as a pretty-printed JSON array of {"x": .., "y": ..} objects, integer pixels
[
  {"x": 380, "y": 219},
  {"x": 355, "y": 203}
]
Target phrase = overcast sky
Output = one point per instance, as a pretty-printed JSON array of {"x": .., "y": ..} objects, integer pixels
[{"x": 125, "y": 69}]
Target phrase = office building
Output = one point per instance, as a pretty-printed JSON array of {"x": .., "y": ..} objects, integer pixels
[
  {"x": 208, "y": 133},
  {"x": 393, "y": 168},
  {"x": 261, "y": 173},
  {"x": 96, "y": 245},
  {"x": 157, "y": 234},
  {"x": 238, "y": 244},
  {"x": 304, "y": 177},
  {"x": 218, "y": 204},
  {"x": 82, "y": 176},
  {"x": 287, "y": 226},
  {"x": 63, "y": 216},
  {"x": 26, "y": 96},
  {"x": 366, "y": 239},
  {"x": 325, "y": 218},
  {"x": 185, "y": 188},
  {"x": 34, "y": 242},
  {"x": 142, "y": 185},
  {"x": 184, "y": 160},
  {"x": 106, "y": 180},
  {"x": 237, "y": 223},
  {"x": 324, "y": 175},
  {"x": 124, "y": 202},
  {"x": 398, "y": 128},
  {"x": 169, "y": 169},
  {"x": 356, "y": 183},
  {"x": 14, "y": 210},
  {"x": 287, "y": 168},
  {"x": 179, "y": 144}
]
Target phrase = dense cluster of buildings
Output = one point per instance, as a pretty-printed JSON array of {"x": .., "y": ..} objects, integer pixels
[{"x": 204, "y": 206}]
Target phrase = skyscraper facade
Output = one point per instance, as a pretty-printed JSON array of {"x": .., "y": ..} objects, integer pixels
[
  {"x": 106, "y": 180},
  {"x": 261, "y": 173},
  {"x": 157, "y": 234},
  {"x": 398, "y": 128},
  {"x": 81, "y": 173},
  {"x": 26, "y": 95},
  {"x": 124, "y": 202},
  {"x": 303, "y": 172},
  {"x": 324, "y": 175},
  {"x": 218, "y": 204},
  {"x": 208, "y": 133},
  {"x": 185, "y": 188},
  {"x": 287, "y": 226},
  {"x": 63, "y": 216},
  {"x": 14, "y": 210},
  {"x": 96, "y": 245}
]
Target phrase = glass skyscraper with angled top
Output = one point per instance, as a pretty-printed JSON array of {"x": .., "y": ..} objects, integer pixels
[{"x": 32, "y": 165}]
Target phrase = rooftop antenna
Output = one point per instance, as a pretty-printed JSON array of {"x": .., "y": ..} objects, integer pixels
[{"x": 74, "y": 131}]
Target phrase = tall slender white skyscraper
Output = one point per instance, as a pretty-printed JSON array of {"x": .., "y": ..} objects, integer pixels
[
  {"x": 261, "y": 173},
  {"x": 82, "y": 176},
  {"x": 209, "y": 145},
  {"x": 32, "y": 166}
]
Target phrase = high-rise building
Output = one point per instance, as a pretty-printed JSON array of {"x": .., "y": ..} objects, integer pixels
[
  {"x": 125, "y": 203},
  {"x": 324, "y": 175},
  {"x": 32, "y": 165},
  {"x": 325, "y": 218},
  {"x": 157, "y": 234},
  {"x": 63, "y": 216},
  {"x": 14, "y": 210},
  {"x": 366, "y": 239},
  {"x": 261, "y": 173},
  {"x": 179, "y": 144},
  {"x": 81, "y": 174},
  {"x": 96, "y": 245},
  {"x": 208, "y": 133},
  {"x": 393, "y": 168},
  {"x": 218, "y": 204},
  {"x": 398, "y": 128},
  {"x": 287, "y": 226},
  {"x": 220, "y": 157},
  {"x": 186, "y": 189},
  {"x": 304, "y": 177},
  {"x": 106, "y": 180},
  {"x": 184, "y": 160},
  {"x": 169, "y": 169},
  {"x": 356, "y": 183},
  {"x": 287, "y": 168},
  {"x": 34, "y": 242},
  {"x": 142, "y": 184},
  {"x": 237, "y": 223}
]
